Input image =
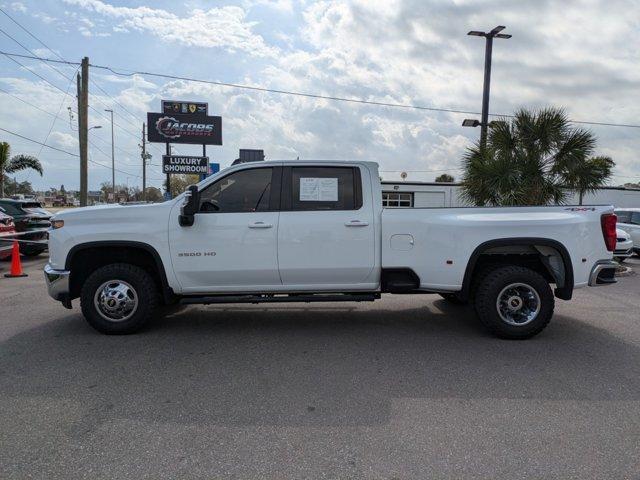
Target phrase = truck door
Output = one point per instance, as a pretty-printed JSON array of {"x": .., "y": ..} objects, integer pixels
[
  {"x": 326, "y": 231},
  {"x": 232, "y": 245}
]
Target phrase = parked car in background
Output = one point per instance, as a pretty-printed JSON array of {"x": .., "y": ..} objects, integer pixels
[
  {"x": 624, "y": 246},
  {"x": 29, "y": 217},
  {"x": 629, "y": 221},
  {"x": 7, "y": 231}
]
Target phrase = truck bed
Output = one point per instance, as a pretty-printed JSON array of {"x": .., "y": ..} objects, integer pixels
[{"x": 437, "y": 243}]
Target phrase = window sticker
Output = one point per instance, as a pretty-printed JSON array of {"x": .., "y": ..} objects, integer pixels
[{"x": 318, "y": 189}]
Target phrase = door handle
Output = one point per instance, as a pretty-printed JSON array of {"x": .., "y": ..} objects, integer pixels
[
  {"x": 356, "y": 223},
  {"x": 260, "y": 225}
]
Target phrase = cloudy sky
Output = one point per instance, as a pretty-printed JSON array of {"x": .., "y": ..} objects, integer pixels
[{"x": 580, "y": 55}]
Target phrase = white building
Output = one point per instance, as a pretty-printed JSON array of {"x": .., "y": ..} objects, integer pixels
[{"x": 427, "y": 194}]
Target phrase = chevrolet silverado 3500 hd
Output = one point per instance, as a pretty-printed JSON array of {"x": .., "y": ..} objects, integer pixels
[{"x": 302, "y": 231}]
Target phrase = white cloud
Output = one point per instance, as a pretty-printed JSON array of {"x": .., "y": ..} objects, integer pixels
[
  {"x": 63, "y": 140},
  {"x": 223, "y": 27},
  {"x": 397, "y": 51},
  {"x": 44, "y": 17},
  {"x": 18, "y": 7},
  {"x": 282, "y": 5}
]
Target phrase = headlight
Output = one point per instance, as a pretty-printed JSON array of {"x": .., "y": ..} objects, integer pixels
[{"x": 57, "y": 224}]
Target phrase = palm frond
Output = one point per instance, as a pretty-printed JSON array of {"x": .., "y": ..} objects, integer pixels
[
  {"x": 23, "y": 162},
  {"x": 531, "y": 159}
]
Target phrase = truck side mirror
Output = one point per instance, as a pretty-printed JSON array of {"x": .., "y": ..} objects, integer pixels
[{"x": 190, "y": 206}]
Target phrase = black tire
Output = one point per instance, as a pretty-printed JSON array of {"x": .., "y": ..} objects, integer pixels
[
  {"x": 453, "y": 298},
  {"x": 144, "y": 289},
  {"x": 489, "y": 289}
]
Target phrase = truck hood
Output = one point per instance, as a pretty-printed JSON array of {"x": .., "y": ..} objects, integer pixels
[{"x": 112, "y": 211}]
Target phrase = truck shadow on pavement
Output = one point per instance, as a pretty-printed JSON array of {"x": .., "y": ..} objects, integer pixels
[{"x": 307, "y": 365}]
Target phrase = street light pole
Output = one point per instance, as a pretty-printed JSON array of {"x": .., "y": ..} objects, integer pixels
[
  {"x": 486, "y": 87},
  {"x": 113, "y": 158},
  {"x": 484, "y": 122}
]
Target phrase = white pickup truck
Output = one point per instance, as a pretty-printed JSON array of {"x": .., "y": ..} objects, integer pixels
[{"x": 299, "y": 231}]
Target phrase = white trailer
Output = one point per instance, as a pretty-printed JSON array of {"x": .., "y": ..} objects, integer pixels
[{"x": 438, "y": 195}]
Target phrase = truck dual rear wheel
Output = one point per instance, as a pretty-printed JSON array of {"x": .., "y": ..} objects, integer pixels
[
  {"x": 514, "y": 302},
  {"x": 119, "y": 298}
]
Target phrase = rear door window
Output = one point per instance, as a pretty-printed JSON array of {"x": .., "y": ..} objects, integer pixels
[{"x": 325, "y": 188}]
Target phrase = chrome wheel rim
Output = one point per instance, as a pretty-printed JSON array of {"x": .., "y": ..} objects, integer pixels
[
  {"x": 518, "y": 304},
  {"x": 116, "y": 300}
]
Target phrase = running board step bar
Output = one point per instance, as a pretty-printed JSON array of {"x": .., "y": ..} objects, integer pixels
[{"x": 279, "y": 298}]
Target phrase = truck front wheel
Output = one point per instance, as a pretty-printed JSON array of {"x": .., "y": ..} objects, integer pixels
[
  {"x": 514, "y": 302},
  {"x": 119, "y": 298}
]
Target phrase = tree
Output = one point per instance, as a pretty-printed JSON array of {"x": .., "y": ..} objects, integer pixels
[
  {"x": 122, "y": 190},
  {"x": 445, "y": 178},
  {"x": 587, "y": 176},
  {"x": 19, "y": 188},
  {"x": 153, "y": 194},
  {"x": 15, "y": 164},
  {"x": 179, "y": 183},
  {"x": 533, "y": 159}
]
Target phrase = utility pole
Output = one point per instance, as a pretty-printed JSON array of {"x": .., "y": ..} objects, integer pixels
[
  {"x": 144, "y": 163},
  {"x": 83, "y": 132},
  {"x": 168, "y": 175},
  {"x": 486, "y": 87},
  {"x": 113, "y": 158}
]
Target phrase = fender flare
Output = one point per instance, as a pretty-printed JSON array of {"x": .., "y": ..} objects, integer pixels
[
  {"x": 167, "y": 291},
  {"x": 565, "y": 292}
]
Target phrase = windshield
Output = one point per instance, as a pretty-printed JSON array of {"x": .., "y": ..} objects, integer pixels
[
  {"x": 37, "y": 211},
  {"x": 31, "y": 205},
  {"x": 12, "y": 209}
]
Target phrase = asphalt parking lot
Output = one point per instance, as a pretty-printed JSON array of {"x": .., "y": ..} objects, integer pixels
[{"x": 409, "y": 387}]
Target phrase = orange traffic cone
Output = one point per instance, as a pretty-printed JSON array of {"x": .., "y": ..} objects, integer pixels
[{"x": 16, "y": 265}]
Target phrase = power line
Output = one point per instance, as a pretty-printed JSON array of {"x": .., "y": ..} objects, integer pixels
[
  {"x": 39, "y": 143},
  {"x": 28, "y": 103},
  {"x": 62, "y": 74},
  {"x": 57, "y": 117},
  {"x": 130, "y": 73},
  {"x": 32, "y": 53},
  {"x": 55, "y": 53},
  {"x": 73, "y": 154}
]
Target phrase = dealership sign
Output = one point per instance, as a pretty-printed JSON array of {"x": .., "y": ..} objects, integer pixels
[
  {"x": 184, "y": 128},
  {"x": 173, "y": 106},
  {"x": 185, "y": 164}
]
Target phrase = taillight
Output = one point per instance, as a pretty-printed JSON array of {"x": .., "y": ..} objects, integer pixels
[{"x": 608, "y": 222}]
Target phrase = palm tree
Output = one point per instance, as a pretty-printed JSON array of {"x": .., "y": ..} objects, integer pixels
[
  {"x": 15, "y": 164},
  {"x": 532, "y": 159},
  {"x": 589, "y": 175}
]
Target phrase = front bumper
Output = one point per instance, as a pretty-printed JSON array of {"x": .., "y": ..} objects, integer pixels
[
  {"x": 603, "y": 273},
  {"x": 58, "y": 284}
]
